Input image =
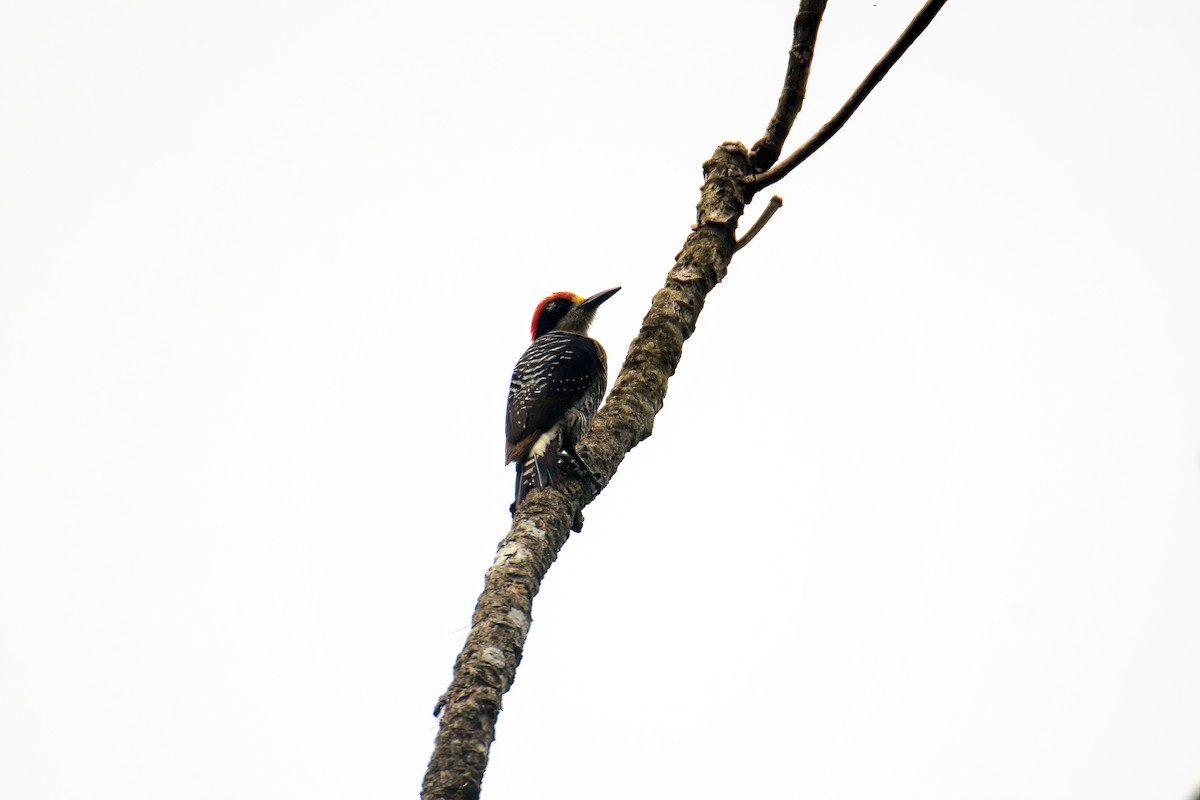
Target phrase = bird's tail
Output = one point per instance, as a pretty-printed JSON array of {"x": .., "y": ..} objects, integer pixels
[{"x": 538, "y": 471}]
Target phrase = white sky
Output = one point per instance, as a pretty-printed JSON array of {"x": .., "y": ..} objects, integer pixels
[{"x": 921, "y": 516}]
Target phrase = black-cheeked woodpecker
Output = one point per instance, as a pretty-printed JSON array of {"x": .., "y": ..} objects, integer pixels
[{"x": 556, "y": 387}]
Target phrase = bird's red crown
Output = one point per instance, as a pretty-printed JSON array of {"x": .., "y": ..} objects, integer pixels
[{"x": 570, "y": 297}]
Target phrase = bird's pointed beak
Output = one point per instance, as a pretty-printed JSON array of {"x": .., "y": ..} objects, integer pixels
[{"x": 593, "y": 302}]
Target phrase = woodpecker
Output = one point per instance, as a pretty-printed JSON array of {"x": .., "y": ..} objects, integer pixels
[{"x": 555, "y": 389}]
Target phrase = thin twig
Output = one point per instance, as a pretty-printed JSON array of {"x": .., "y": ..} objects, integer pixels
[
  {"x": 773, "y": 205},
  {"x": 915, "y": 28},
  {"x": 795, "y": 82}
]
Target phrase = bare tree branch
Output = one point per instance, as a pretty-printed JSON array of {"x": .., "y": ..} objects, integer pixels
[
  {"x": 795, "y": 83},
  {"x": 487, "y": 665},
  {"x": 915, "y": 28}
]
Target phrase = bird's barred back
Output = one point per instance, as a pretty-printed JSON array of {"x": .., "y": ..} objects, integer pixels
[{"x": 560, "y": 378}]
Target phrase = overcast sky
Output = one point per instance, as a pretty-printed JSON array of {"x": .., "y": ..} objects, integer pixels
[{"x": 920, "y": 518}]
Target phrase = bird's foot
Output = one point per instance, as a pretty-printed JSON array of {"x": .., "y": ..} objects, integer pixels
[{"x": 576, "y": 463}]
